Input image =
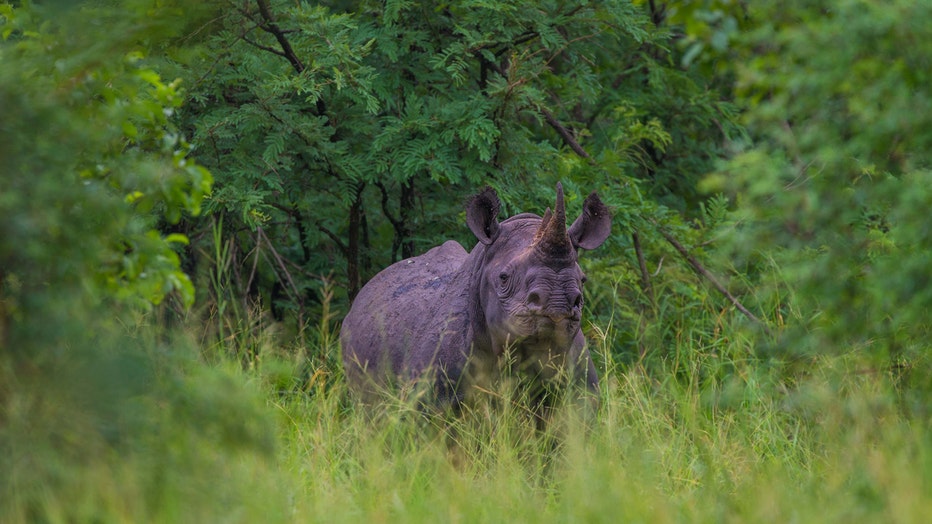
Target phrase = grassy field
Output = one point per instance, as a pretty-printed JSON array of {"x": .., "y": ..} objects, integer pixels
[
  {"x": 657, "y": 453},
  {"x": 217, "y": 443}
]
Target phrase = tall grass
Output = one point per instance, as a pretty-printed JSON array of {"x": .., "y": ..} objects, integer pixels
[
  {"x": 835, "y": 448},
  {"x": 702, "y": 434},
  {"x": 659, "y": 451}
]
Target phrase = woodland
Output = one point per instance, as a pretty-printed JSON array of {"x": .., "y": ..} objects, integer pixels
[{"x": 193, "y": 193}]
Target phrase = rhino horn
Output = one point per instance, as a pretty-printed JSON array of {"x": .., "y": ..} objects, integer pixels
[
  {"x": 543, "y": 224},
  {"x": 551, "y": 239}
]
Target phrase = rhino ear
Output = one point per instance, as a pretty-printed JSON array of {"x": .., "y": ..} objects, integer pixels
[
  {"x": 482, "y": 215},
  {"x": 593, "y": 225}
]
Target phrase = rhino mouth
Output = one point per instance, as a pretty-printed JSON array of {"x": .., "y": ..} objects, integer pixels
[
  {"x": 541, "y": 319},
  {"x": 544, "y": 330},
  {"x": 536, "y": 344}
]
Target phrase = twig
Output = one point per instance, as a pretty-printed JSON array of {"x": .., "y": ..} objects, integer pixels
[
  {"x": 642, "y": 265},
  {"x": 279, "y": 261},
  {"x": 336, "y": 240},
  {"x": 264, "y": 47},
  {"x": 659, "y": 267},
  {"x": 255, "y": 261}
]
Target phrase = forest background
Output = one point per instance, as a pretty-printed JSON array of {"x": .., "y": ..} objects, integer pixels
[{"x": 193, "y": 192}]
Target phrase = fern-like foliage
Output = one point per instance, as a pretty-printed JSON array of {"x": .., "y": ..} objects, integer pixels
[{"x": 351, "y": 132}]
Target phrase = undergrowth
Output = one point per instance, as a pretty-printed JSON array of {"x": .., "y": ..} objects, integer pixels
[
  {"x": 705, "y": 433},
  {"x": 659, "y": 451},
  {"x": 281, "y": 440},
  {"x": 695, "y": 424}
]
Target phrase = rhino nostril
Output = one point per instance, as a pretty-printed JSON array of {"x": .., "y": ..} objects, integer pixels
[
  {"x": 533, "y": 299},
  {"x": 577, "y": 300}
]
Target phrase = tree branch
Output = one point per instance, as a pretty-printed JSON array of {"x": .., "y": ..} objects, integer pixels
[
  {"x": 642, "y": 265},
  {"x": 402, "y": 239},
  {"x": 296, "y": 215},
  {"x": 270, "y": 26},
  {"x": 263, "y": 47},
  {"x": 657, "y": 15},
  {"x": 702, "y": 271},
  {"x": 564, "y": 133},
  {"x": 280, "y": 262},
  {"x": 336, "y": 240},
  {"x": 397, "y": 224},
  {"x": 387, "y": 212},
  {"x": 527, "y": 36}
]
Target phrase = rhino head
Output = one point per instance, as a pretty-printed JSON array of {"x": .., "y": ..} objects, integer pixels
[{"x": 530, "y": 286}]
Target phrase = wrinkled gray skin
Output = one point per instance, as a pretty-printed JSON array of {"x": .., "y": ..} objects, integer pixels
[{"x": 459, "y": 320}]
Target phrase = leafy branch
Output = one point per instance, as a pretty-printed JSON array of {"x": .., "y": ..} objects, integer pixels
[
  {"x": 549, "y": 117},
  {"x": 267, "y": 23},
  {"x": 565, "y": 134},
  {"x": 270, "y": 26},
  {"x": 645, "y": 278},
  {"x": 705, "y": 273}
]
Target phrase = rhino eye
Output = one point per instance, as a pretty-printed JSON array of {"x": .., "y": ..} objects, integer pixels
[
  {"x": 503, "y": 278},
  {"x": 583, "y": 279}
]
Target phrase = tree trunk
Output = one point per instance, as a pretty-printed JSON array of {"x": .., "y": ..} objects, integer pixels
[
  {"x": 407, "y": 213},
  {"x": 352, "y": 246}
]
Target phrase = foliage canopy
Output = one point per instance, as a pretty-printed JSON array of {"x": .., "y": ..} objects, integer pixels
[{"x": 341, "y": 129}]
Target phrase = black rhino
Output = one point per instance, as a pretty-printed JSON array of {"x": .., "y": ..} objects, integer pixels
[{"x": 458, "y": 320}]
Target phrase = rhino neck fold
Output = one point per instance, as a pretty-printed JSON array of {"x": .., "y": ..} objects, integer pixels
[{"x": 477, "y": 324}]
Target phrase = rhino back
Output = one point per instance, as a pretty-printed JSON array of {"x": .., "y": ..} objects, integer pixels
[{"x": 408, "y": 318}]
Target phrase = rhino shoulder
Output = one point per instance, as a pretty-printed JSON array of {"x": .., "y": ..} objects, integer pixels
[
  {"x": 415, "y": 278},
  {"x": 445, "y": 257},
  {"x": 407, "y": 313}
]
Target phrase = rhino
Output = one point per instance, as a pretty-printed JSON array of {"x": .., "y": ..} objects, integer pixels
[{"x": 457, "y": 321}]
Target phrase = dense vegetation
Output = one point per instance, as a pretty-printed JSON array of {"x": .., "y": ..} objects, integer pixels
[{"x": 193, "y": 192}]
